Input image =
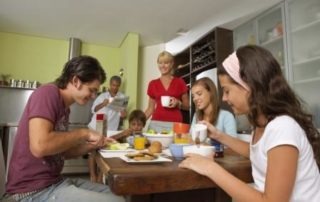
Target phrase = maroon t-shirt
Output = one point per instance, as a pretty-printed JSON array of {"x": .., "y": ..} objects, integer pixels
[
  {"x": 26, "y": 172},
  {"x": 176, "y": 89}
]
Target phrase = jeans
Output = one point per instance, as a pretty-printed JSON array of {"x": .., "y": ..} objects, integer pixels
[{"x": 75, "y": 190}]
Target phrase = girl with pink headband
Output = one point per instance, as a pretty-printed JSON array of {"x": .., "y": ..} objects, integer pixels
[{"x": 284, "y": 149}]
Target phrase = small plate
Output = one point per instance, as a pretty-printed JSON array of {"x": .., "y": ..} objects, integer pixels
[
  {"x": 117, "y": 150},
  {"x": 160, "y": 159}
]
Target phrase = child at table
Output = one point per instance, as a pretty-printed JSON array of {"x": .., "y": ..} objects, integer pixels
[
  {"x": 137, "y": 121},
  {"x": 285, "y": 144}
]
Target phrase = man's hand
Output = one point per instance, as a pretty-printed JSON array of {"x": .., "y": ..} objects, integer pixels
[
  {"x": 105, "y": 102},
  {"x": 123, "y": 114},
  {"x": 96, "y": 140}
]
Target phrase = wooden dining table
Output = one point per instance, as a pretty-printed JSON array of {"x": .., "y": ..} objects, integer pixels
[{"x": 167, "y": 182}]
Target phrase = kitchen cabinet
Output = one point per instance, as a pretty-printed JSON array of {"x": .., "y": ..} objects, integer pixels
[
  {"x": 304, "y": 51},
  {"x": 266, "y": 30},
  {"x": 291, "y": 32},
  {"x": 206, "y": 53}
]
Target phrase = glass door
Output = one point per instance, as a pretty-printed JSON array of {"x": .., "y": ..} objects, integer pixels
[
  {"x": 271, "y": 34},
  {"x": 244, "y": 34},
  {"x": 266, "y": 30},
  {"x": 304, "y": 49}
]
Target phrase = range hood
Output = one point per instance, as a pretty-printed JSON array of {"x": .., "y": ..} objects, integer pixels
[{"x": 74, "y": 48}]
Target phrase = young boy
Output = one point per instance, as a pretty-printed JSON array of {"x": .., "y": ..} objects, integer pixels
[{"x": 137, "y": 120}]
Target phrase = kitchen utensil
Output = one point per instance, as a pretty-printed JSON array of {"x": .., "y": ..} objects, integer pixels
[{"x": 197, "y": 140}]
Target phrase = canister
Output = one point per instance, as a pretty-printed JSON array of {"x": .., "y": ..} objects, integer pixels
[
  {"x": 181, "y": 133},
  {"x": 13, "y": 83},
  {"x": 20, "y": 84}
]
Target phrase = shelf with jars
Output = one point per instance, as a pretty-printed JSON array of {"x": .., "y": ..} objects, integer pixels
[{"x": 204, "y": 54}]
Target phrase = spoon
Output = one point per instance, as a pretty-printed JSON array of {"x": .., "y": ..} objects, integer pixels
[{"x": 197, "y": 139}]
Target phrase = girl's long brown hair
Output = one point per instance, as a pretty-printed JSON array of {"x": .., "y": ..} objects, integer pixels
[
  {"x": 270, "y": 92},
  {"x": 208, "y": 84}
]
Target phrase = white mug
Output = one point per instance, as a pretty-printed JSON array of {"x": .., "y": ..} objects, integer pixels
[
  {"x": 201, "y": 130},
  {"x": 165, "y": 101}
]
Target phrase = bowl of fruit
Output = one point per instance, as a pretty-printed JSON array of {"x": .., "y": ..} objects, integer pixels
[{"x": 164, "y": 137}]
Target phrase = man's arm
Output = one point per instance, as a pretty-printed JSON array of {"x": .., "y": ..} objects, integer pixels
[
  {"x": 151, "y": 105},
  {"x": 104, "y": 103},
  {"x": 44, "y": 141}
]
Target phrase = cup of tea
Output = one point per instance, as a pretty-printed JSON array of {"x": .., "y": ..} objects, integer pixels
[{"x": 165, "y": 101}]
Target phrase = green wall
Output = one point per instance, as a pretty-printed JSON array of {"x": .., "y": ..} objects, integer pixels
[
  {"x": 42, "y": 59},
  {"x": 129, "y": 52},
  {"x": 108, "y": 57},
  {"x": 32, "y": 58}
]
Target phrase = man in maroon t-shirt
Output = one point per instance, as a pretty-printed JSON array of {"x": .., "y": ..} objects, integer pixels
[{"x": 43, "y": 142}]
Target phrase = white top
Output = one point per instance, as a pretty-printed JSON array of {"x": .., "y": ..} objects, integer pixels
[
  {"x": 284, "y": 130},
  {"x": 112, "y": 115}
]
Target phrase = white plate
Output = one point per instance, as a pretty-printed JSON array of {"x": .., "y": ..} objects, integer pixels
[
  {"x": 117, "y": 150},
  {"x": 160, "y": 159}
]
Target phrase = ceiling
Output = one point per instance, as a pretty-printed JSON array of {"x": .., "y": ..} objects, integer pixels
[{"x": 107, "y": 22}]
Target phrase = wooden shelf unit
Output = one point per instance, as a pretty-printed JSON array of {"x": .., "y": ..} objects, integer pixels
[{"x": 206, "y": 53}]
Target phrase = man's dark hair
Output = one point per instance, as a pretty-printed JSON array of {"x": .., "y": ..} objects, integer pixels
[{"x": 86, "y": 68}]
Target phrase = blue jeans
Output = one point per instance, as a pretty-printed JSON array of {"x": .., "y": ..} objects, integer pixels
[{"x": 75, "y": 190}]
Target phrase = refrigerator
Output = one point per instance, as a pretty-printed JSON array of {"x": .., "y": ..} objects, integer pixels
[{"x": 12, "y": 103}]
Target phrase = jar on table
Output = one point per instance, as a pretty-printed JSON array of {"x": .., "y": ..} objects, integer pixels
[{"x": 181, "y": 133}]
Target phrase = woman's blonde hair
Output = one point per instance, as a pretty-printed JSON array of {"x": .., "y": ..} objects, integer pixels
[{"x": 166, "y": 54}]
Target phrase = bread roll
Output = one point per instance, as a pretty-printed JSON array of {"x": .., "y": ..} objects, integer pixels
[{"x": 155, "y": 147}]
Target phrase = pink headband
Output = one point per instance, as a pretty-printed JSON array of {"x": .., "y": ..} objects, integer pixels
[{"x": 231, "y": 65}]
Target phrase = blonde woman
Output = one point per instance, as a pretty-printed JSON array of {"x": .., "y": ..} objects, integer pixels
[{"x": 167, "y": 85}]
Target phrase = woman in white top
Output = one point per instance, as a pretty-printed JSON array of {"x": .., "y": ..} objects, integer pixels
[{"x": 285, "y": 143}]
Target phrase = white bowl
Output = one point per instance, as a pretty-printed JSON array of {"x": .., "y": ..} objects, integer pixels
[
  {"x": 203, "y": 150},
  {"x": 165, "y": 139}
]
